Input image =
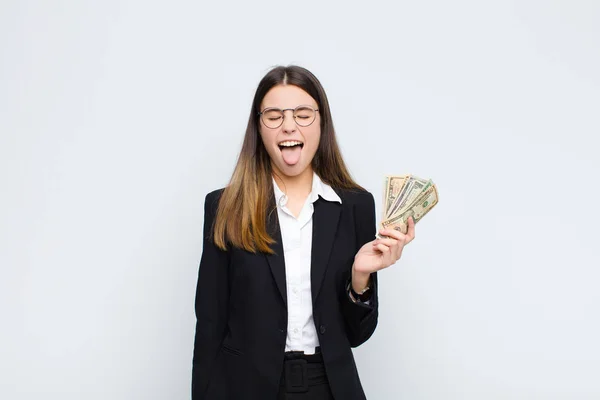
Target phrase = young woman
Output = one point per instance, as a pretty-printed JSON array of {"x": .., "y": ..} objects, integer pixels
[{"x": 287, "y": 282}]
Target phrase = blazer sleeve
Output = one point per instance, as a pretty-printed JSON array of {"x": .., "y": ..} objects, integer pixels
[
  {"x": 361, "y": 318},
  {"x": 211, "y": 306}
]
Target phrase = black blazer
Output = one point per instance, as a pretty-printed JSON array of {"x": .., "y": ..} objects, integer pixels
[{"x": 241, "y": 305}]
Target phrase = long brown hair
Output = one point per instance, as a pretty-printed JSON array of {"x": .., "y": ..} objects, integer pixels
[{"x": 241, "y": 218}]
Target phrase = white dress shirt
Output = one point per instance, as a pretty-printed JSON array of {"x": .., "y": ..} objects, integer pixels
[{"x": 296, "y": 235}]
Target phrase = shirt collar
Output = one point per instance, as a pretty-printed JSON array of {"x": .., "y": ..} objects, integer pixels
[{"x": 319, "y": 188}]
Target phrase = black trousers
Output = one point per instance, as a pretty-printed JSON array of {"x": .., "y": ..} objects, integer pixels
[{"x": 304, "y": 378}]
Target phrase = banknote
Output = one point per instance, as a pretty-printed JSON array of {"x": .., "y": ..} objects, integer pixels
[
  {"x": 393, "y": 187},
  {"x": 418, "y": 209},
  {"x": 411, "y": 189},
  {"x": 406, "y": 196}
]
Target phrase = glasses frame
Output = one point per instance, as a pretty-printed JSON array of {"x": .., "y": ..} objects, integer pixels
[{"x": 261, "y": 114}]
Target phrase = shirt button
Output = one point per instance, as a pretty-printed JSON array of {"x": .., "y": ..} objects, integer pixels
[
  {"x": 295, "y": 290},
  {"x": 295, "y": 330}
]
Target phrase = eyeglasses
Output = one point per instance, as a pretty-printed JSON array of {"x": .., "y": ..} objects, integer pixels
[{"x": 303, "y": 115}]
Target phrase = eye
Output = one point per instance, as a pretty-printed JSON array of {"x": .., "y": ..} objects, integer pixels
[
  {"x": 272, "y": 114},
  {"x": 304, "y": 113}
]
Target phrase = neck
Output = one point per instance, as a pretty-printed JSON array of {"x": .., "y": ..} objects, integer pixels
[{"x": 295, "y": 186}]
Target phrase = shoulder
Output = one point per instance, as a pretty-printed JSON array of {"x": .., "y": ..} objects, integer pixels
[
  {"x": 356, "y": 197},
  {"x": 211, "y": 201},
  {"x": 362, "y": 208},
  {"x": 215, "y": 194}
]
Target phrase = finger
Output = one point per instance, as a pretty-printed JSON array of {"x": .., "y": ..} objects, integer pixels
[
  {"x": 382, "y": 248},
  {"x": 395, "y": 250},
  {"x": 398, "y": 253},
  {"x": 389, "y": 242},
  {"x": 392, "y": 233},
  {"x": 386, "y": 254},
  {"x": 411, "y": 230}
]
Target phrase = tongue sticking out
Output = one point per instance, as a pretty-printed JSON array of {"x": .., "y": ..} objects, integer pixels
[{"x": 291, "y": 155}]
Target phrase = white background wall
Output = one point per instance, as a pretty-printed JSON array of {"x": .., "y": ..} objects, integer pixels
[{"x": 117, "y": 117}]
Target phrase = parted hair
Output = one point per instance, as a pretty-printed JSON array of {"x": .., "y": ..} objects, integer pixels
[{"x": 248, "y": 199}]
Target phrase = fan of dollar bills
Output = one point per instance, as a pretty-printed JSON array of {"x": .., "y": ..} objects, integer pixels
[{"x": 406, "y": 196}]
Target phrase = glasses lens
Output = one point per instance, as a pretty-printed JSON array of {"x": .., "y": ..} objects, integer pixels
[
  {"x": 272, "y": 118},
  {"x": 304, "y": 116}
]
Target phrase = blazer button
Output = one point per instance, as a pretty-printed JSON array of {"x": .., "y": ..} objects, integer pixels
[{"x": 322, "y": 329}]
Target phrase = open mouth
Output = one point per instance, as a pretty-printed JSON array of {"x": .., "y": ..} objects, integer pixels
[
  {"x": 289, "y": 144},
  {"x": 291, "y": 151}
]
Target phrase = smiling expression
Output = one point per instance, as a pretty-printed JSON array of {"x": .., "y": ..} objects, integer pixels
[{"x": 291, "y": 147}]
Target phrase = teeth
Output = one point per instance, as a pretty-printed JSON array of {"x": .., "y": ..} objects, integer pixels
[{"x": 290, "y": 143}]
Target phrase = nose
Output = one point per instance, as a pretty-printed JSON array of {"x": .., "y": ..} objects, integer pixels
[{"x": 289, "y": 124}]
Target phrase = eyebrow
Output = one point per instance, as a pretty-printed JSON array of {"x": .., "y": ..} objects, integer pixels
[{"x": 291, "y": 108}]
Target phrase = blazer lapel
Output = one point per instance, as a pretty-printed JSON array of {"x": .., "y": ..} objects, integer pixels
[
  {"x": 277, "y": 261},
  {"x": 325, "y": 222}
]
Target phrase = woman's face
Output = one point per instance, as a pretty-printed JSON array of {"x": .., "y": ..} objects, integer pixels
[{"x": 290, "y": 146}]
